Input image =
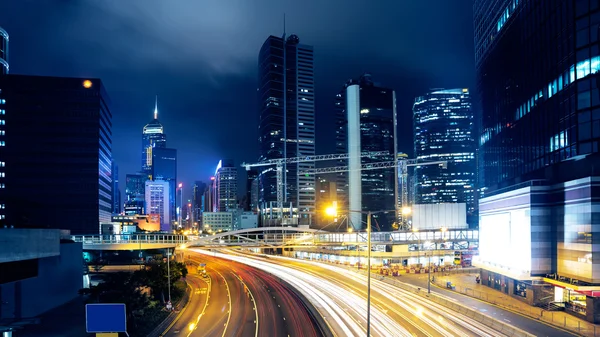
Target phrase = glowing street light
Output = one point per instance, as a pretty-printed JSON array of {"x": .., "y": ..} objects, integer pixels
[{"x": 406, "y": 211}]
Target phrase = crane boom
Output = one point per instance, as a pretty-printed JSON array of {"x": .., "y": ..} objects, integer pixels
[
  {"x": 280, "y": 162},
  {"x": 372, "y": 166},
  {"x": 322, "y": 157},
  {"x": 403, "y": 163}
]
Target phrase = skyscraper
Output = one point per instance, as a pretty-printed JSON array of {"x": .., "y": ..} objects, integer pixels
[
  {"x": 3, "y": 52},
  {"x": 198, "y": 201},
  {"x": 538, "y": 66},
  {"x": 164, "y": 167},
  {"x": 226, "y": 186},
  {"x": 251, "y": 176},
  {"x": 287, "y": 120},
  {"x": 153, "y": 136},
  {"x": 444, "y": 130},
  {"x": 365, "y": 119},
  {"x": 157, "y": 202},
  {"x": 55, "y": 153},
  {"x": 135, "y": 185},
  {"x": 116, "y": 197}
]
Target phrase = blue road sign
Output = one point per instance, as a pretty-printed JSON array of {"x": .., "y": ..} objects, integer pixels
[{"x": 105, "y": 317}]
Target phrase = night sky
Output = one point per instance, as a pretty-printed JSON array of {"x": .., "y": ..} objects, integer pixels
[{"x": 200, "y": 58}]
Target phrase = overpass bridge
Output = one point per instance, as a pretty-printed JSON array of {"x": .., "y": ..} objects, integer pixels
[{"x": 282, "y": 237}]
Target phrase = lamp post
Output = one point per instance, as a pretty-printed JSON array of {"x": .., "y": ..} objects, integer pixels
[
  {"x": 443, "y": 230},
  {"x": 332, "y": 211},
  {"x": 169, "y": 305},
  {"x": 181, "y": 205}
]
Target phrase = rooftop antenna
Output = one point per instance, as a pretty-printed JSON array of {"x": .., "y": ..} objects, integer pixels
[
  {"x": 156, "y": 108},
  {"x": 284, "y": 26}
]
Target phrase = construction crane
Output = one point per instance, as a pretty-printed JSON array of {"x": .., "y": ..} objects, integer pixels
[
  {"x": 402, "y": 162},
  {"x": 280, "y": 162}
]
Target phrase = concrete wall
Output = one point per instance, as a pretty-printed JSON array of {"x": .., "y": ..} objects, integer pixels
[
  {"x": 17, "y": 244},
  {"x": 59, "y": 279}
]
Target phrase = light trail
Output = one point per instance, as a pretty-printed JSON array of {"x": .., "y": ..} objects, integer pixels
[
  {"x": 329, "y": 298},
  {"x": 428, "y": 311}
]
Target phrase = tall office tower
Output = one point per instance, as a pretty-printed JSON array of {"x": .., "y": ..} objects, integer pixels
[
  {"x": 3, "y": 52},
  {"x": 116, "y": 196},
  {"x": 55, "y": 153},
  {"x": 164, "y": 167},
  {"x": 444, "y": 130},
  {"x": 197, "y": 201},
  {"x": 153, "y": 136},
  {"x": 365, "y": 120},
  {"x": 226, "y": 186},
  {"x": 538, "y": 68},
  {"x": 135, "y": 186},
  {"x": 157, "y": 202},
  {"x": 209, "y": 197},
  {"x": 251, "y": 176},
  {"x": 287, "y": 121}
]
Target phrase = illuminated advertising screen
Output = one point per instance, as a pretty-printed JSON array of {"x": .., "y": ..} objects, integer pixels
[{"x": 505, "y": 240}]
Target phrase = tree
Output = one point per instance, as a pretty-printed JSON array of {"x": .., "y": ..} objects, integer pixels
[{"x": 156, "y": 277}]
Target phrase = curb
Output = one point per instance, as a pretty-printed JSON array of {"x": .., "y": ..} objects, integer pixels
[{"x": 172, "y": 318}]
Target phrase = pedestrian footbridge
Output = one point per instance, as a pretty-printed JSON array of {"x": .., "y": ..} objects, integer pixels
[{"x": 279, "y": 237}]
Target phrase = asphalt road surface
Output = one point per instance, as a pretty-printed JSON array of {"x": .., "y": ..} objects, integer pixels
[{"x": 238, "y": 300}]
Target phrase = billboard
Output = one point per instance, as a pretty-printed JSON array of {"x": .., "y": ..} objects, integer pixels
[
  {"x": 436, "y": 216},
  {"x": 105, "y": 317}
]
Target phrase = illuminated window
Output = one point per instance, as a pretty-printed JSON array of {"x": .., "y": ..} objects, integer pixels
[
  {"x": 2, "y": 143},
  {"x": 2, "y": 111},
  {"x": 2, "y": 122}
]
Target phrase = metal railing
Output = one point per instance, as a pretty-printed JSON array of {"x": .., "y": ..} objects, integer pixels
[{"x": 130, "y": 238}]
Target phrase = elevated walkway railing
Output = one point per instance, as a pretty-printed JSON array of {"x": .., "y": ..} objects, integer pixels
[{"x": 130, "y": 238}]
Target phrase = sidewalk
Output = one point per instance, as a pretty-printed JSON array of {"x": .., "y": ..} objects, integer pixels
[{"x": 466, "y": 285}]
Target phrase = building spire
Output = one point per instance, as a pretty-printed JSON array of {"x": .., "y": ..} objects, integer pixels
[{"x": 156, "y": 108}]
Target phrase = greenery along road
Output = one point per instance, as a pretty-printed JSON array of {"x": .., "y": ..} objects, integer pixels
[{"x": 144, "y": 293}]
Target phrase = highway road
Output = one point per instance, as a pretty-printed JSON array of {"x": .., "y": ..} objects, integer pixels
[
  {"x": 241, "y": 301},
  {"x": 342, "y": 298}
]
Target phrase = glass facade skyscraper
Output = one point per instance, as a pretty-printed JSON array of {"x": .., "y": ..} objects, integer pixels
[
  {"x": 366, "y": 112},
  {"x": 55, "y": 153},
  {"x": 444, "y": 130},
  {"x": 226, "y": 186},
  {"x": 3, "y": 52},
  {"x": 164, "y": 167},
  {"x": 287, "y": 120},
  {"x": 538, "y": 68},
  {"x": 153, "y": 136}
]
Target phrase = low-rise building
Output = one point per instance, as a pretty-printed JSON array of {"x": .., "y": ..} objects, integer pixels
[{"x": 217, "y": 221}]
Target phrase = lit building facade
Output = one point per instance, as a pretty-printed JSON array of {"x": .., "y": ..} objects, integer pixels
[
  {"x": 164, "y": 167},
  {"x": 444, "y": 129},
  {"x": 365, "y": 120},
  {"x": 135, "y": 186},
  {"x": 55, "y": 153},
  {"x": 153, "y": 136},
  {"x": 3, "y": 52},
  {"x": 537, "y": 75},
  {"x": 226, "y": 186},
  {"x": 287, "y": 121},
  {"x": 214, "y": 222},
  {"x": 116, "y": 202},
  {"x": 198, "y": 201},
  {"x": 157, "y": 202}
]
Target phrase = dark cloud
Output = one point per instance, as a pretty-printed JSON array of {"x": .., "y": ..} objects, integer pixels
[{"x": 200, "y": 58}]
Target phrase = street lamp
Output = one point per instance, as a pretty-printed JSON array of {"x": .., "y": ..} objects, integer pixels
[
  {"x": 181, "y": 207},
  {"x": 333, "y": 211}
]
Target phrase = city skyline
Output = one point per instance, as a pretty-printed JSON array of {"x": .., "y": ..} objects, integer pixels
[{"x": 188, "y": 101}]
